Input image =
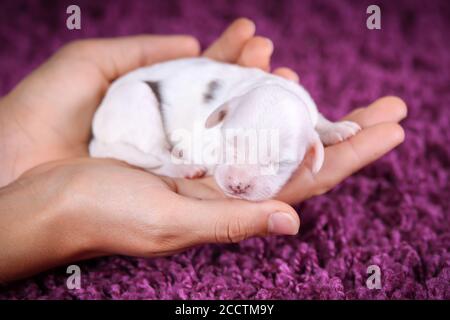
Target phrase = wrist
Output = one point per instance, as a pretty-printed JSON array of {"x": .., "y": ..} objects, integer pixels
[
  {"x": 39, "y": 235},
  {"x": 15, "y": 142},
  {"x": 6, "y": 146}
]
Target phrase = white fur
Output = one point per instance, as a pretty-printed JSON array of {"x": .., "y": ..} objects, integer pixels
[{"x": 128, "y": 125}]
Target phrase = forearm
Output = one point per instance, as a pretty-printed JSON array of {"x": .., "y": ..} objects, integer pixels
[
  {"x": 16, "y": 142},
  {"x": 6, "y": 145},
  {"x": 33, "y": 234}
]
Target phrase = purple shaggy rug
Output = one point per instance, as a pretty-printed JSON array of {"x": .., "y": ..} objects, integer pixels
[{"x": 394, "y": 213}]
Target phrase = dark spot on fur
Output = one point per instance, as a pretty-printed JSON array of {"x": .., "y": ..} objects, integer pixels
[
  {"x": 155, "y": 87},
  {"x": 211, "y": 91}
]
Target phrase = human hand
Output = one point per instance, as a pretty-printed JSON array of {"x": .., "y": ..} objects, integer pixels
[
  {"x": 77, "y": 207},
  {"x": 50, "y": 112},
  {"x": 62, "y": 121},
  {"x": 380, "y": 133},
  {"x": 81, "y": 208}
]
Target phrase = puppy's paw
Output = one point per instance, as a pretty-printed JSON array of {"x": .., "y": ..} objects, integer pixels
[
  {"x": 338, "y": 131},
  {"x": 191, "y": 171}
]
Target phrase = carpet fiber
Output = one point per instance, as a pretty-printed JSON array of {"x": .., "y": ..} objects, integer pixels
[{"x": 394, "y": 213}]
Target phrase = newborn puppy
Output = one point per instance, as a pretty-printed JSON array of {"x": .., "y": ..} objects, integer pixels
[{"x": 191, "y": 117}]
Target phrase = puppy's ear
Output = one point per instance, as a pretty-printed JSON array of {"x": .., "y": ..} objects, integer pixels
[
  {"x": 218, "y": 115},
  {"x": 315, "y": 153}
]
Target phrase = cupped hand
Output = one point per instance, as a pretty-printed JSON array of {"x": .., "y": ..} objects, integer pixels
[
  {"x": 102, "y": 206},
  {"x": 51, "y": 110},
  {"x": 60, "y": 205}
]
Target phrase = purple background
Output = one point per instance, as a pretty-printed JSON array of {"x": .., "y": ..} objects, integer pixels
[{"x": 394, "y": 213}]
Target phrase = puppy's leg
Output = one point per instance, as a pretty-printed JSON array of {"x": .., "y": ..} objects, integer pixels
[
  {"x": 181, "y": 170},
  {"x": 335, "y": 132},
  {"x": 124, "y": 152},
  {"x": 175, "y": 167},
  {"x": 158, "y": 162}
]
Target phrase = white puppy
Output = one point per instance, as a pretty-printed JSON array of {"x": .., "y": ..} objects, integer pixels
[{"x": 149, "y": 116}]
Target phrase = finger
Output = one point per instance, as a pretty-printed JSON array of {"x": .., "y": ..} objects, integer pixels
[
  {"x": 287, "y": 74},
  {"x": 229, "y": 45},
  {"x": 210, "y": 182},
  {"x": 342, "y": 160},
  {"x": 117, "y": 56},
  {"x": 351, "y": 155},
  {"x": 353, "y": 113},
  {"x": 204, "y": 188},
  {"x": 386, "y": 109},
  {"x": 256, "y": 53},
  {"x": 232, "y": 220}
]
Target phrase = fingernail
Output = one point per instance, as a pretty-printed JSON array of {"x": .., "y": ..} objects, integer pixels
[{"x": 282, "y": 223}]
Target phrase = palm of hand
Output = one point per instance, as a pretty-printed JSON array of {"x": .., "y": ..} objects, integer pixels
[{"x": 56, "y": 103}]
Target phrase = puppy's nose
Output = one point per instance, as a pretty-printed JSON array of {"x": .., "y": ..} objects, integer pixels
[{"x": 239, "y": 188}]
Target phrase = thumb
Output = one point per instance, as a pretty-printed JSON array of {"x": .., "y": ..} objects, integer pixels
[
  {"x": 232, "y": 220},
  {"x": 116, "y": 56}
]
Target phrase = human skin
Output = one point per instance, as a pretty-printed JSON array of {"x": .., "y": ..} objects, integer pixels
[{"x": 57, "y": 205}]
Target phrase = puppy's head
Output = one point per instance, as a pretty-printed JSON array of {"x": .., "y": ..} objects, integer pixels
[{"x": 266, "y": 135}]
